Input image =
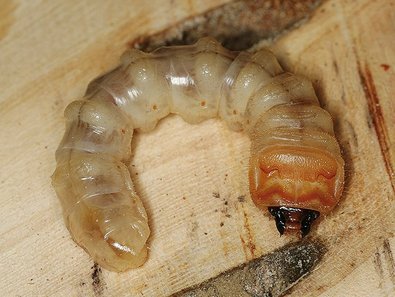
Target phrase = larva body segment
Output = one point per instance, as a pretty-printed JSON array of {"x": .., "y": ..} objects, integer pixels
[
  {"x": 296, "y": 170},
  {"x": 244, "y": 76},
  {"x": 194, "y": 74},
  {"x": 100, "y": 206}
]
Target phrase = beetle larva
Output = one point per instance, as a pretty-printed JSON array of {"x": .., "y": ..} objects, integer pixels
[{"x": 296, "y": 170}]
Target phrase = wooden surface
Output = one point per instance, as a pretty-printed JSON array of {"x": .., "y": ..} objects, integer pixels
[{"x": 50, "y": 50}]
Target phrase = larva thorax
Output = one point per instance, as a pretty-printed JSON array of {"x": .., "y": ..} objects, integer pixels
[
  {"x": 295, "y": 159},
  {"x": 296, "y": 169}
]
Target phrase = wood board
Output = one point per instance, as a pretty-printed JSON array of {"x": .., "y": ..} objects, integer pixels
[{"x": 49, "y": 51}]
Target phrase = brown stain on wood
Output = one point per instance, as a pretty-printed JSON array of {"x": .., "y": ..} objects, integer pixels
[
  {"x": 385, "y": 67},
  {"x": 377, "y": 264},
  {"x": 98, "y": 283},
  {"x": 248, "y": 243},
  {"x": 389, "y": 258},
  {"x": 378, "y": 118},
  {"x": 7, "y": 9},
  {"x": 384, "y": 264}
]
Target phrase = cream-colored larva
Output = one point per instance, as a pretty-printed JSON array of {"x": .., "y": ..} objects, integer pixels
[{"x": 296, "y": 169}]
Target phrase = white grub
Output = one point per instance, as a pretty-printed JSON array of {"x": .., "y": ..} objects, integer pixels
[{"x": 294, "y": 153}]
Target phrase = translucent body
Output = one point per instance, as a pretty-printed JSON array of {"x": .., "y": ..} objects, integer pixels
[{"x": 295, "y": 159}]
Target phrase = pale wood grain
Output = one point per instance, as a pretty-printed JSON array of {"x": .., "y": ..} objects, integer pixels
[{"x": 49, "y": 51}]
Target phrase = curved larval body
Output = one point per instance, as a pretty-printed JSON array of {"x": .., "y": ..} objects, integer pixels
[{"x": 295, "y": 159}]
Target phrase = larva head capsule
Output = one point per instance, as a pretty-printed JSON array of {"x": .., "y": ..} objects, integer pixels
[
  {"x": 291, "y": 218},
  {"x": 296, "y": 184}
]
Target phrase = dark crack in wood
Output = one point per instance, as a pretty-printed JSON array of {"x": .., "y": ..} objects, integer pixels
[
  {"x": 238, "y": 25},
  {"x": 268, "y": 276}
]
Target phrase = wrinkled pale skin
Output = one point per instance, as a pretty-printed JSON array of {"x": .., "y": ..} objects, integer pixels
[{"x": 295, "y": 158}]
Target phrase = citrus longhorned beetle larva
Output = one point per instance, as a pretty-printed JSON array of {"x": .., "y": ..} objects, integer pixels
[{"x": 296, "y": 169}]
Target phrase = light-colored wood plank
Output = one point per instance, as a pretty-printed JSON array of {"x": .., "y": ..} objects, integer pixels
[{"x": 50, "y": 50}]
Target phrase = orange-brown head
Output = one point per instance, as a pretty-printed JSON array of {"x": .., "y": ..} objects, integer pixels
[{"x": 297, "y": 182}]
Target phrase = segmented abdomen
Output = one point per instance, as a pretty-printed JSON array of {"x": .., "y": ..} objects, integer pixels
[{"x": 295, "y": 159}]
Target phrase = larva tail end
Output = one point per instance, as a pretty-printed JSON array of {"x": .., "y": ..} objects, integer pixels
[
  {"x": 289, "y": 219},
  {"x": 114, "y": 238}
]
